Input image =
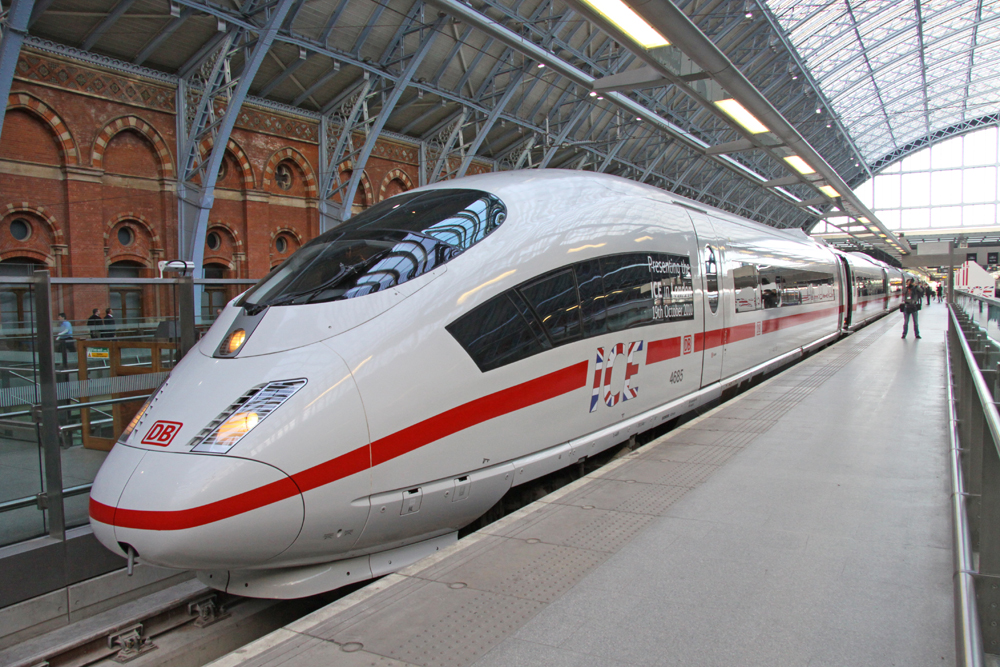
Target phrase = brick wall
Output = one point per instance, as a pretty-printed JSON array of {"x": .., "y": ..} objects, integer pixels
[{"x": 86, "y": 152}]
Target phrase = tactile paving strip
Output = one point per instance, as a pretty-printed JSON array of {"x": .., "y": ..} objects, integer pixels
[
  {"x": 465, "y": 600},
  {"x": 438, "y": 626}
]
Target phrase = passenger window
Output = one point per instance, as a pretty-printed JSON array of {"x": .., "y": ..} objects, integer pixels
[
  {"x": 769, "y": 294},
  {"x": 495, "y": 334},
  {"x": 782, "y": 286},
  {"x": 711, "y": 278},
  {"x": 590, "y": 282},
  {"x": 529, "y": 316},
  {"x": 585, "y": 299},
  {"x": 628, "y": 289},
  {"x": 555, "y": 300},
  {"x": 746, "y": 283}
]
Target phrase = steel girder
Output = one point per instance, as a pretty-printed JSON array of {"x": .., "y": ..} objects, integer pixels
[
  {"x": 13, "y": 28},
  {"x": 455, "y": 155},
  {"x": 359, "y": 124},
  {"x": 601, "y": 60},
  {"x": 163, "y": 35},
  {"x": 427, "y": 36},
  {"x": 208, "y": 104},
  {"x": 905, "y": 58},
  {"x": 109, "y": 20},
  {"x": 571, "y": 127}
]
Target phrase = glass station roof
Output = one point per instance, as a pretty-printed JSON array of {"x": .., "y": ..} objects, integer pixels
[{"x": 898, "y": 70}]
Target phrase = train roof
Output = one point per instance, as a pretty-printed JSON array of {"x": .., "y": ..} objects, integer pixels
[{"x": 498, "y": 182}]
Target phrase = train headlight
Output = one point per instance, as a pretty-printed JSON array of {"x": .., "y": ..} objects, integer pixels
[
  {"x": 234, "y": 341},
  {"x": 237, "y": 426},
  {"x": 245, "y": 413}
]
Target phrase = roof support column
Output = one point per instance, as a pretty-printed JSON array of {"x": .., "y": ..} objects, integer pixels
[
  {"x": 351, "y": 114},
  {"x": 390, "y": 103},
  {"x": 205, "y": 126},
  {"x": 13, "y": 28},
  {"x": 490, "y": 121}
]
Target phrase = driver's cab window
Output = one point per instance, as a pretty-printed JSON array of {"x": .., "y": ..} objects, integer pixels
[{"x": 712, "y": 278}]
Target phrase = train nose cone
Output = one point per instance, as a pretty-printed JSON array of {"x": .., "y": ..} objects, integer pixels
[{"x": 195, "y": 511}]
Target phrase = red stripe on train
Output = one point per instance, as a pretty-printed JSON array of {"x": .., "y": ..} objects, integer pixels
[
  {"x": 423, "y": 433},
  {"x": 670, "y": 348},
  {"x": 382, "y": 450}
]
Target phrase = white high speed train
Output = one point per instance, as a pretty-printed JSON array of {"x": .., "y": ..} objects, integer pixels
[{"x": 391, "y": 381}]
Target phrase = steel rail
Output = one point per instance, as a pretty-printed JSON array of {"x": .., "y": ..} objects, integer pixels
[
  {"x": 32, "y": 501},
  {"x": 983, "y": 392},
  {"x": 968, "y": 637}
]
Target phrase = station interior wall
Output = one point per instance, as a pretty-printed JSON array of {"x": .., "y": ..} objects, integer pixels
[{"x": 87, "y": 152}]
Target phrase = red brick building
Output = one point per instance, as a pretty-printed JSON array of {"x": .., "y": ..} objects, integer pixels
[{"x": 88, "y": 169}]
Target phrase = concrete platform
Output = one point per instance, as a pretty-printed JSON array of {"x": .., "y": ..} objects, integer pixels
[{"x": 805, "y": 522}]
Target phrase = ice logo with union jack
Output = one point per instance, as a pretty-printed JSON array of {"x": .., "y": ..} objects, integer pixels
[{"x": 603, "y": 370}]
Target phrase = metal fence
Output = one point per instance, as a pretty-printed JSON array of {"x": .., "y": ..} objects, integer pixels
[
  {"x": 974, "y": 371},
  {"x": 68, "y": 386}
]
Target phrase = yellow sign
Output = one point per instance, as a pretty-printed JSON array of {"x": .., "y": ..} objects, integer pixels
[{"x": 98, "y": 353}]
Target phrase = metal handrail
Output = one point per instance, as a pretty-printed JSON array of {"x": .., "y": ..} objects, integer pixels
[
  {"x": 968, "y": 637},
  {"x": 74, "y": 406},
  {"x": 990, "y": 414},
  {"x": 108, "y": 401},
  {"x": 978, "y": 297},
  {"x": 33, "y": 501}
]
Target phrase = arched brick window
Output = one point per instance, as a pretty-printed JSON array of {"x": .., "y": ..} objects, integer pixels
[
  {"x": 126, "y": 300},
  {"x": 17, "y": 305}
]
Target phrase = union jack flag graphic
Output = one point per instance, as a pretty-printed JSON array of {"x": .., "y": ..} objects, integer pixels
[
  {"x": 597, "y": 379},
  {"x": 611, "y": 399},
  {"x": 631, "y": 369}
]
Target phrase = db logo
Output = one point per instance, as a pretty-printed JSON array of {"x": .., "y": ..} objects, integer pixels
[
  {"x": 687, "y": 344},
  {"x": 161, "y": 433}
]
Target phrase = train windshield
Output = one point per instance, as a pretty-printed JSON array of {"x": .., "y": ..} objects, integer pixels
[{"x": 386, "y": 245}]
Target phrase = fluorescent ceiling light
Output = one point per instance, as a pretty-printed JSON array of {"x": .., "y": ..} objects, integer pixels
[
  {"x": 829, "y": 191},
  {"x": 864, "y": 219},
  {"x": 628, "y": 22},
  {"x": 799, "y": 165},
  {"x": 735, "y": 110}
]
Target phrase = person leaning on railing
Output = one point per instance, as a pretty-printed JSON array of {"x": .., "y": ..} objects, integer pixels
[
  {"x": 94, "y": 323},
  {"x": 64, "y": 337},
  {"x": 109, "y": 324}
]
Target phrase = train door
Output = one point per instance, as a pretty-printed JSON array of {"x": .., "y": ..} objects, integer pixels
[
  {"x": 885, "y": 290},
  {"x": 714, "y": 300},
  {"x": 846, "y": 291}
]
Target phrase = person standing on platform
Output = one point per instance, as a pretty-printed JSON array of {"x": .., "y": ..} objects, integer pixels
[
  {"x": 912, "y": 299},
  {"x": 928, "y": 291},
  {"x": 109, "y": 324},
  {"x": 94, "y": 323},
  {"x": 64, "y": 339},
  {"x": 940, "y": 292}
]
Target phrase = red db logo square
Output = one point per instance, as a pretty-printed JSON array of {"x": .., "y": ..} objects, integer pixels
[
  {"x": 687, "y": 345},
  {"x": 161, "y": 433}
]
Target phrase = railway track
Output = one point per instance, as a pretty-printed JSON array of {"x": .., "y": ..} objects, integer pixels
[
  {"x": 186, "y": 625},
  {"x": 190, "y": 625}
]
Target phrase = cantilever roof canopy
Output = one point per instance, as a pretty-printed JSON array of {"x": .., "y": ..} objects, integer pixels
[
  {"x": 899, "y": 72},
  {"x": 510, "y": 81}
]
